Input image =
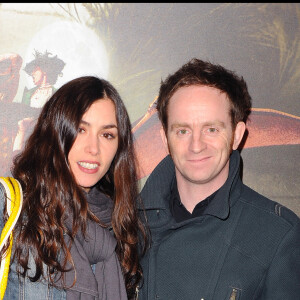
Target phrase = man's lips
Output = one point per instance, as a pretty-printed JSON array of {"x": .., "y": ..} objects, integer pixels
[{"x": 199, "y": 160}]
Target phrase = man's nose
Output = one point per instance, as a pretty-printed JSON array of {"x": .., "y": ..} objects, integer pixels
[{"x": 197, "y": 142}]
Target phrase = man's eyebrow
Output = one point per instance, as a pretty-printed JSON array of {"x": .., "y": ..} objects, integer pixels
[
  {"x": 108, "y": 126},
  {"x": 218, "y": 123},
  {"x": 177, "y": 125},
  {"x": 212, "y": 123}
]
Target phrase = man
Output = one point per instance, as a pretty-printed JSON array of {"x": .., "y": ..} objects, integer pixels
[{"x": 212, "y": 237}]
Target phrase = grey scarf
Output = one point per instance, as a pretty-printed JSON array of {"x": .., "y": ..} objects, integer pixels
[{"x": 98, "y": 271}]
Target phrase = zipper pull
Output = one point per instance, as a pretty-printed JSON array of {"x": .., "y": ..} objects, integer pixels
[
  {"x": 233, "y": 294},
  {"x": 137, "y": 293}
]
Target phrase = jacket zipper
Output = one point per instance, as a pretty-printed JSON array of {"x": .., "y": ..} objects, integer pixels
[
  {"x": 233, "y": 294},
  {"x": 136, "y": 293}
]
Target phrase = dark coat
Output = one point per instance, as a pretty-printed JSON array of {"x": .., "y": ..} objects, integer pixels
[{"x": 249, "y": 250}]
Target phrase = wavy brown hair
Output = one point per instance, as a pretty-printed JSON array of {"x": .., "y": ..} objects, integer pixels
[{"x": 51, "y": 192}]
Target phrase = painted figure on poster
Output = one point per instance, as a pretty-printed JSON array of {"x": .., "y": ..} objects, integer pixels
[
  {"x": 10, "y": 64},
  {"x": 44, "y": 71}
]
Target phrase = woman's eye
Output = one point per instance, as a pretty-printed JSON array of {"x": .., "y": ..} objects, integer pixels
[
  {"x": 81, "y": 130},
  {"x": 108, "y": 135}
]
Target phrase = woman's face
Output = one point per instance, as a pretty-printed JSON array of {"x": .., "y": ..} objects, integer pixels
[{"x": 95, "y": 145}]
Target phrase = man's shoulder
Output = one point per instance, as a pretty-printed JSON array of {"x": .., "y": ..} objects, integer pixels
[
  {"x": 266, "y": 208},
  {"x": 161, "y": 177},
  {"x": 165, "y": 167}
]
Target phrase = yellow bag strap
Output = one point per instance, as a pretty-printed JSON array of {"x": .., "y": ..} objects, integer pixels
[{"x": 14, "y": 200}]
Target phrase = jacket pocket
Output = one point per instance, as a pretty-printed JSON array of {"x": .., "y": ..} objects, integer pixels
[{"x": 233, "y": 294}]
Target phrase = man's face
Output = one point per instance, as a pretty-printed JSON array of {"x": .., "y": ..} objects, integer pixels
[{"x": 200, "y": 136}]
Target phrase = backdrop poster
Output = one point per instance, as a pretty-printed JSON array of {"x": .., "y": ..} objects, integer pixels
[{"x": 134, "y": 46}]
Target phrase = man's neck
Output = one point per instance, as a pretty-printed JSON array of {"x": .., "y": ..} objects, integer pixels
[{"x": 193, "y": 193}]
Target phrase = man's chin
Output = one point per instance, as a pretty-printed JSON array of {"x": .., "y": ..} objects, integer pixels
[{"x": 196, "y": 178}]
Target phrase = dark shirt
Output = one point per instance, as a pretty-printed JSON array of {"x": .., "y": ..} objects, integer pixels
[{"x": 178, "y": 210}]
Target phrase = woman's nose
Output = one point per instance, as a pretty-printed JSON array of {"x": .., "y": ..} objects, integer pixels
[{"x": 93, "y": 145}]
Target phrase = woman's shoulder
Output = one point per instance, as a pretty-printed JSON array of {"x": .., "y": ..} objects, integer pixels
[
  {"x": 2, "y": 201},
  {"x": 2, "y": 192}
]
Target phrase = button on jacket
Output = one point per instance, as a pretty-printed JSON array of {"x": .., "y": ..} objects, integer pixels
[{"x": 247, "y": 248}]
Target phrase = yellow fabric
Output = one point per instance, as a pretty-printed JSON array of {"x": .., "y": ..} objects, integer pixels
[{"x": 14, "y": 199}]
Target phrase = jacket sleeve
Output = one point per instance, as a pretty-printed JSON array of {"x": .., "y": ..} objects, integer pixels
[{"x": 283, "y": 276}]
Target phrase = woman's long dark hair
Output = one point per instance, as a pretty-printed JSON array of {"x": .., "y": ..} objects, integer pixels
[{"x": 51, "y": 192}]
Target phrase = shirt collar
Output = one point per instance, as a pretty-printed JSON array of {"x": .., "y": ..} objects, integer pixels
[
  {"x": 158, "y": 188},
  {"x": 178, "y": 210},
  {"x": 218, "y": 203}
]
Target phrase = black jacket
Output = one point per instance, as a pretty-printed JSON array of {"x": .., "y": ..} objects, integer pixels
[{"x": 250, "y": 249}]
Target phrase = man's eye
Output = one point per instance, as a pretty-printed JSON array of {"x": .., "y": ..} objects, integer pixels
[
  {"x": 211, "y": 130},
  {"x": 182, "y": 131}
]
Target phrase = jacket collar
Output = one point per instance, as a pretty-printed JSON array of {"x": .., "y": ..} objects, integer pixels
[
  {"x": 157, "y": 189},
  {"x": 228, "y": 193}
]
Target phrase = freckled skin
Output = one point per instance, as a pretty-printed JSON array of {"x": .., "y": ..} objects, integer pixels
[{"x": 96, "y": 144}]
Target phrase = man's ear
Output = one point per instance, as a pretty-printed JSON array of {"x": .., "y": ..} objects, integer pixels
[
  {"x": 238, "y": 134},
  {"x": 164, "y": 138}
]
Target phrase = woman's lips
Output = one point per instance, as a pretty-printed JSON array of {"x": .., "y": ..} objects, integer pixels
[{"x": 88, "y": 167}]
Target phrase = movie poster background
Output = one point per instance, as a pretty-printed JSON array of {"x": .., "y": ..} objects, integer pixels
[{"x": 135, "y": 46}]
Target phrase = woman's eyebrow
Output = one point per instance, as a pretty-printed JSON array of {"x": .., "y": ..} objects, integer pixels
[{"x": 108, "y": 126}]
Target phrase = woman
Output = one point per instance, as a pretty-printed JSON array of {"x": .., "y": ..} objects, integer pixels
[{"x": 78, "y": 175}]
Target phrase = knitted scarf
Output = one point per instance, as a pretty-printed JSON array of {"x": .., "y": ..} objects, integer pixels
[{"x": 98, "y": 271}]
